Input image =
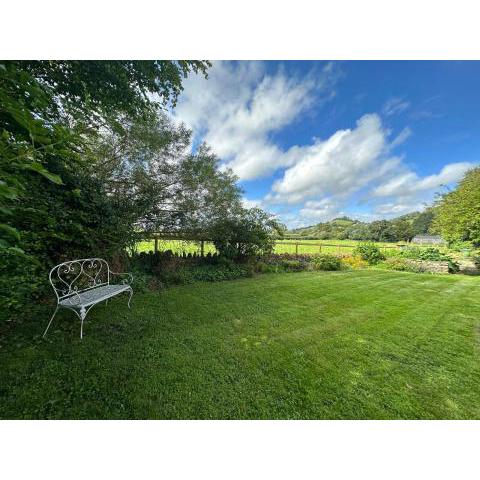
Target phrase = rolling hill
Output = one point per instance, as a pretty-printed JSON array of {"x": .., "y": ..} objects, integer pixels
[{"x": 346, "y": 228}]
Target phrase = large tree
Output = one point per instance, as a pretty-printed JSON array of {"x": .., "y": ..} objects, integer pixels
[
  {"x": 421, "y": 224},
  {"x": 245, "y": 232},
  {"x": 159, "y": 184},
  {"x": 51, "y": 116},
  {"x": 457, "y": 213},
  {"x": 401, "y": 230},
  {"x": 48, "y": 109}
]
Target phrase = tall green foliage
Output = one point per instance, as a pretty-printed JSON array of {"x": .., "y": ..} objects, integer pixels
[
  {"x": 245, "y": 233},
  {"x": 161, "y": 184},
  {"x": 402, "y": 228},
  {"x": 457, "y": 213},
  {"x": 49, "y": 110},
  {"x": 51, "y": 113}
]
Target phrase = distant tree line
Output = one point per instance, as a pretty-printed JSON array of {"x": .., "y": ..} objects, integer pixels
[
  {"x": 457, "y": 213},
  {"x": 455, "y": 216},
  {"x": 403, "y": 228}
]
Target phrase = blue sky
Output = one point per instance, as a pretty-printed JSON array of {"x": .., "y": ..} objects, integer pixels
[{"x": 311, "y": 140}]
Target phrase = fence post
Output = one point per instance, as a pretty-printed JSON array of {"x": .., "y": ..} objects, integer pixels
[
  {"x": 156, "y": 245},
  {"x": 338, "y": 249},
  {"x": 296, "y": 249},
  {"x": 202, "y": 247},
  {"x": 319, "y": 248}
]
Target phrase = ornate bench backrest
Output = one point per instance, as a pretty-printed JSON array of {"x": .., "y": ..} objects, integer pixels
[{"x": 76, "y": 276}]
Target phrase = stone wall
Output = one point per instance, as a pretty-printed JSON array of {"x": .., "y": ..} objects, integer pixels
[{"x": 431, "y": 266}]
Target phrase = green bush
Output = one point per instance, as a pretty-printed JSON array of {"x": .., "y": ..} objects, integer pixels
[
  {"x": 294, "y": 265},
  {"x": 353, "y": 262},
  {"x": 369, "y": 252},
  {"x": 430, "y": 254},
  {"x": 245, "y": 233},
  {"x": 327, "y": 262},
  {"x": 175, "y": 277},
  {"x": 401, "y": 264},
  {"x": 216, "y": 273},
  {"x": 460, "y": 246},
  {"x": 142, "y": 281},
  {"x": 263, "y": 267},
  {"x": 22, "y": 280},
  {"x": 476, "y": 260}
]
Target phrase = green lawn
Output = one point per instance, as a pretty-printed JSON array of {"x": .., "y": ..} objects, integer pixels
[{"x": 353, "y": 344}]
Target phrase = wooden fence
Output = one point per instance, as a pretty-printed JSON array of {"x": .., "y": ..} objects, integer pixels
[
  {"x": 336, "y": 246},
  {"x": 156, "y": 237}
]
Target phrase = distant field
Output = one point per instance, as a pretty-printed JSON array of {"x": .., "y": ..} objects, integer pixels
[
  {"x": 305, "y": 246},
  {"x": 177, "y": 246},
  {"x": 327, "y": 246}
]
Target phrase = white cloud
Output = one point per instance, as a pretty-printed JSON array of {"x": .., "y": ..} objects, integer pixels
[
  {"x": 344, "y": 163},
  {"x": 401, "y": 137},
  {"x": 320, "y": 211},
  {"x": 396, "y": 209},
  {"x": 241, "y": 105},
  {"x": 356, "y": 166},
  {"x": 395, "y": 105},
  {"x": 409, "y": 183}
]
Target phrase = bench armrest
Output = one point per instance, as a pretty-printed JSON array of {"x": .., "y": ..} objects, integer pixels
[
  {"x": 126, "y": 281},
  {"x": 74, "y": 295}
]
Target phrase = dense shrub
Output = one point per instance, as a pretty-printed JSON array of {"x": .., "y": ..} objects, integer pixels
[
  {"x": 264, "y": 267},
  {"x": 369, "y": 252},
  {"x": 142, "y": 281},
  {"x": 430, "y": 254},
  {"x": 216, "y": 273},
  {"x": 245, "y": 233},
  {"x": 327, "y": 262},
  {"x": 294, "y": 265},
  {"x": 460, "y": 246},
  {"x": 354, "y": 261},
  {"x": 476, "y": 260},
  {"x": 402, "y": 265},
  {"x": 154, "y": 271},
  {"x": 290, "y": 262},
  {"x": 20, "y": 280},
  {"x": 287, "y": 261}
]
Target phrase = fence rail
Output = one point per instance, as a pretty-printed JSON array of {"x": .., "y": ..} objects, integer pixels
[
  {"x": 201, "y": 241},
  {"x": 335, "y": 245}
]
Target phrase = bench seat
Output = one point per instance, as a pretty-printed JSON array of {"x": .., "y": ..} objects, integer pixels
[{"x": 93, "y": 296}]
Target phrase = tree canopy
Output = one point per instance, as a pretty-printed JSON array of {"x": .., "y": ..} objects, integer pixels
[
  {"x": 457, "y": 213},
  {"x": 90, "y": 161},
  {"x": 402, "y": 228},
  {"x": 50, "y": 109},
  {"x": 53, "y": 116},
  {"x": 159, "y": 182}
]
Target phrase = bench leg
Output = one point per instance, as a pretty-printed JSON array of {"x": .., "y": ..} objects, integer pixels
[
  {"x": 83, "y": 314},
  {"x": 131, "y": 294},
  {"x": 50, "y": 322}
]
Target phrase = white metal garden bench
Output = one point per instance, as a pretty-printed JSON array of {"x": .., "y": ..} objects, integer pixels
[{"x": 81, "y": 284}]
